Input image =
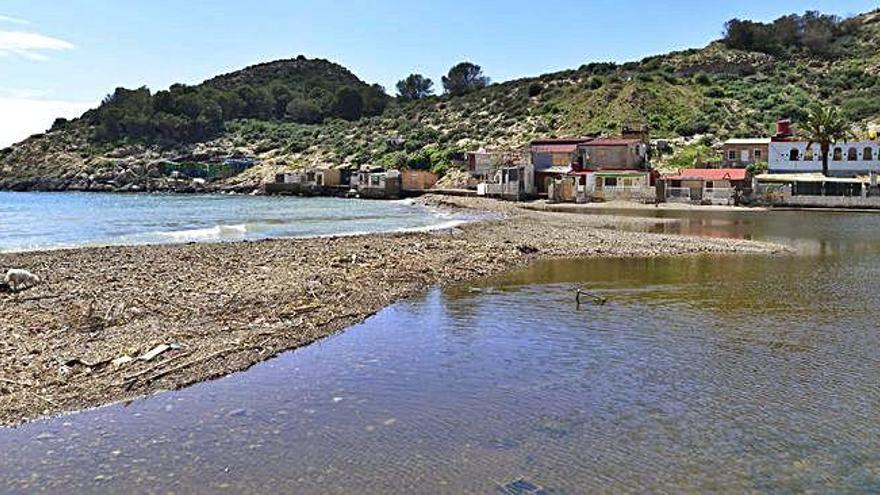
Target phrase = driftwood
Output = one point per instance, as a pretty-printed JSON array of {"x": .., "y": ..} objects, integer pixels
[{"x": 595, "y": 297}]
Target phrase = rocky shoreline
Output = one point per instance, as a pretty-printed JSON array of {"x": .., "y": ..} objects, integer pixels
[{"x": 115, "y": 323}]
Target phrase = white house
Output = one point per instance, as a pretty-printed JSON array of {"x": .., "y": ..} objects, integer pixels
[
  {"x": 844, "y": 159},
  {"x": 513, "y": 182}
]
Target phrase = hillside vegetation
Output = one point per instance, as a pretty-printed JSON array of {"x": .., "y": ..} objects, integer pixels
[{"x": 300, "y": 112}]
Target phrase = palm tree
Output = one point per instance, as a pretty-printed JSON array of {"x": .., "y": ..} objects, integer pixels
[{"x": 825, "y": 125}]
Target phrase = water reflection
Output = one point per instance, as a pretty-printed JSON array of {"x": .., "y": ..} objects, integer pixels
[
  {"x": 812, "y": 233},
  {"x": 710, "y": 374}
]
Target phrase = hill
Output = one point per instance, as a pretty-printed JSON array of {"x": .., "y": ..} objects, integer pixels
[{"x": 301, "y": 112}]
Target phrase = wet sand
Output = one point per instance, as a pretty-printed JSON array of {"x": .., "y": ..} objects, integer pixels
[{"x": 83, "y": 338}]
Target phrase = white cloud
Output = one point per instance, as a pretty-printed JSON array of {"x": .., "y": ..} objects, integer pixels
[
  {"x": 12, "y": 20},
  {"x": 30, "y": 45},
  {"x": 22, "y": 117}
]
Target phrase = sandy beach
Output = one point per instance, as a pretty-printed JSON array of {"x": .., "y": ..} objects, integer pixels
[{"x": 116, "y": 323}]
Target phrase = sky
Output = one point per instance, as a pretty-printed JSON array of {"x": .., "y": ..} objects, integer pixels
[{"x": 59, "y": 58}]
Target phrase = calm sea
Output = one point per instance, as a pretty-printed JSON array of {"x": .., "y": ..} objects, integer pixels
[
  {"x": 31, "y": 221},
  {"x": 700, "y": 375}
]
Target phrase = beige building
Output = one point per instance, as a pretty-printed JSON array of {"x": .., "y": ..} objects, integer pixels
[
  {"x": 600, "y": 154},
  {"x": 417, "y": 180},
  {"x": 740, "y": 153}
]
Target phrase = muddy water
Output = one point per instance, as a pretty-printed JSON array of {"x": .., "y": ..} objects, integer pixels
[{"x": 700, "y": 374}]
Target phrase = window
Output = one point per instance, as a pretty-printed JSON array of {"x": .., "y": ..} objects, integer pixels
[
  {"x": 838, "y": 154},
  {"x": 852, "y": 155},
  {"x": 757, "y": 154},
  {"x": 610, "y": 181},
  {"x": 731, "y": 155},
  {"x": 794, "y": 155},
  {"x": 808, "y": 155},
  {"x": 710, "y": 184},
  {"x": 868, "y": 154}
]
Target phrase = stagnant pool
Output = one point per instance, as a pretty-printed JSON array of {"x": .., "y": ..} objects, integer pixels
[{"x": 720, "y": 374}]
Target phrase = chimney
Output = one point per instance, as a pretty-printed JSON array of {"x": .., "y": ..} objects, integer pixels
[{"x": 783, "y": 128}]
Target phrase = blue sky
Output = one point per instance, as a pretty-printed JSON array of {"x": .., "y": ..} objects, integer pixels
[{"x": 60, "y": 57}]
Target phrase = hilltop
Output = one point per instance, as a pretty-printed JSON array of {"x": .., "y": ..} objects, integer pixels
[{"x": 300, "y": 112}]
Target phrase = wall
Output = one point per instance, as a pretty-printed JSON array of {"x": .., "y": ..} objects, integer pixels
[
  {"x": 418, "y": 180},
  {"x": 543, "y": 161},
  {"x": 739, "y": 148},
  {"x": 629, "y": 156},
  {"x": 779, "y": 159}
]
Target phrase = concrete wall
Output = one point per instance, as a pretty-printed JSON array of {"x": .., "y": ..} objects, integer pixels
[
  {"x": 780, "y": 195},
  {"x": 418, "y": 180},
  {"x": 745, "y": 154},
  {"x": 828, "y": 201},
  {"x": 629, "y": 156},
  {"x": 330, "y": 177},
  {"x": 780, "y": 159},
  {"x": 543, "y": 161}
]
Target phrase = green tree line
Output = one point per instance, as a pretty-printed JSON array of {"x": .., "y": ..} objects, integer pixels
[{"x": 811, "y": 34}]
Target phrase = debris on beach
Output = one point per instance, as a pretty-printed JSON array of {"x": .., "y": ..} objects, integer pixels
[
  {"x": 221, "y": 308},
  {"x": 17, "y": 280},
  {"x": 158, "y": 351}
]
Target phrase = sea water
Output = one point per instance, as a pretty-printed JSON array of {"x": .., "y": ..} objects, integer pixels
[{"x": 33, "y": 221}]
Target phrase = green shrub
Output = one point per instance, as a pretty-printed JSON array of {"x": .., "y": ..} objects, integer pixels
[
  {"x": 714, "y": 92},
  {"x": 535, "y": 89}
]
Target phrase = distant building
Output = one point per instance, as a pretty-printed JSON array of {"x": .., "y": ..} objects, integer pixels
[
  {"x": 553, "y": 159},
  {"x": 510, "y": 182},
  {"x": 610, "y": 185},
  {"x": 703, "y": 185},
  {"x": 844, "y": 159},
  {"x": 377, "y": 183},
  {"x": 308, "y": 181},
  {"x": 547, "y": 153},
  {"x": 417, "y": 180},
  {"x": 816, "y": 190},
  {"x": 599, "y": 154},
  {"x": 482, "y": 164},
  {"x": 740, "y": 153}
]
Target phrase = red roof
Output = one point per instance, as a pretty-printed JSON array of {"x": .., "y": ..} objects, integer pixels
[{"x": 732, "y": 174}]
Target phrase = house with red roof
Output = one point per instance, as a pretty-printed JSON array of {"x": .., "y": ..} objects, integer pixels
[
  {"x": 594, "y": 168},
  {"x": 720, "y": 186},
  {"x": 615, "y": 168}
]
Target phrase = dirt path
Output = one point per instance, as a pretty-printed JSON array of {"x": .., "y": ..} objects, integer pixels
[{"x": 212, "y": 309}]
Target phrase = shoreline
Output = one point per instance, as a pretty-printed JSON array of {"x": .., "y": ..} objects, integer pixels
[
  {"x": 441, "y": 223},
  {"x": 83, "y": 338}
]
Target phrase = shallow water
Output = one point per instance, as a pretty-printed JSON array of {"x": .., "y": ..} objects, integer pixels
[
  {"x": 709, "y": 374},
  {"x": 30, "y": 221}
]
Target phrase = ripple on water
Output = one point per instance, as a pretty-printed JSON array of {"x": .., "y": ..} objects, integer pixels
[{"x": 704, "y": 374}]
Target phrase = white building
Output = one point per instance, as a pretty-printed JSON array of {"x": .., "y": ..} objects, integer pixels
[
  {"x": 512, "y": 182},
  {"x": 844, "y": 159}
]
